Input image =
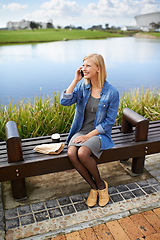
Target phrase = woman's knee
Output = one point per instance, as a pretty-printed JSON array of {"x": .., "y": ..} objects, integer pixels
[
  {"x": 84, "y": 153},
  {"x": 72, "y": 154}
]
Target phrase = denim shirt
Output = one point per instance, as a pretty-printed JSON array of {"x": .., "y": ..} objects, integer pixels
[{"x": 106, "y": 111}]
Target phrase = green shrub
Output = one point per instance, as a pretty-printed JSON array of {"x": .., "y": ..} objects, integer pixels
[
  {"x": 144, "y": 103},
  {"x": 46, "y": 116}
]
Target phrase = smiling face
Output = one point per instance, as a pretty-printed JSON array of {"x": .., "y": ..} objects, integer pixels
[
  {"x": 90, "y": 69},
  {"x": 94, "y": 69}
]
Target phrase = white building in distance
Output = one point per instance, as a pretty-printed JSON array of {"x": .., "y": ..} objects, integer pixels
[
  {"x": 144, "y": 20},
  {"x": 23, "y": 25}
]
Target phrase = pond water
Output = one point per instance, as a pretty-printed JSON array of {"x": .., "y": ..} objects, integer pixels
[{"x": 28, "y": 70}]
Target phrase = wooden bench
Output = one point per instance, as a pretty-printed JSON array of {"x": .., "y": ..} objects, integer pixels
[{"x": 135, "y": 139}]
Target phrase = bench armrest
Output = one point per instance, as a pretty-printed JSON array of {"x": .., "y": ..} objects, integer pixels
[
  {"x": 130, "y": 119},
  {"x": 13, "y": 142}
]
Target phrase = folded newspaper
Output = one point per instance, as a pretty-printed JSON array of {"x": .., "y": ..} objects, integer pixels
[{"x": 53, "y": 148}]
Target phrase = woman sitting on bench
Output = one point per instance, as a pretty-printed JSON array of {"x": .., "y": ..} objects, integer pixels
[{"x": 96, "y": 110}]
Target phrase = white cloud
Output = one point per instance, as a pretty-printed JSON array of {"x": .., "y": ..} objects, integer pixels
[
  {"x": 62, "y": 7},
  {"x": 123, "y": 8},
  {"x": 60, "y": 11},
  {"x": 14, "y": 7},
  {"x": 71, "y": 12},
  {"x": 149, "y": 6},
  {"x": 66, "y": 12}
]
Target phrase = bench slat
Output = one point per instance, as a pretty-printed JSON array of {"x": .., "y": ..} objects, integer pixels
[
  {"x": 125, "y": 147},
  {"x": 118, "y": 139},
  {"x": 56, "y": 163}
]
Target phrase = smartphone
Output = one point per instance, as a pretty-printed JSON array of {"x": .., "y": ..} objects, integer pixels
[{"x": 82, "y": 74}]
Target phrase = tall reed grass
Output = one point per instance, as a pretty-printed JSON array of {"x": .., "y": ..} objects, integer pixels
[
  {"x": 145, "y": 103},
  {"x": 46, "y": 116}
]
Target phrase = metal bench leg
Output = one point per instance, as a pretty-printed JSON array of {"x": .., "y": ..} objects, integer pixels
[
  {"x": 19, "y": 189},
  {"x": 138, "y": 165}
]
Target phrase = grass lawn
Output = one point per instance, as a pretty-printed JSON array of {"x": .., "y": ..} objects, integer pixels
[
  {"x": 156, "y": 34},
  {"x": 47, "y": 35}
]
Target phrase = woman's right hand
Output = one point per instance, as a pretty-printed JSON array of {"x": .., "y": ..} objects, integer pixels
[
  {"x": 78, "y": 75},
  {"x": 77, "y": 78}
]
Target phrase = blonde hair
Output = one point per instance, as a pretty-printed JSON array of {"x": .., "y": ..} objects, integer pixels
[{"x": 99, "y": 61}]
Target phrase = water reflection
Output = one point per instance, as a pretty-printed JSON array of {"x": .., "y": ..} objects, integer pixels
[{"x": 25, "y": 69}]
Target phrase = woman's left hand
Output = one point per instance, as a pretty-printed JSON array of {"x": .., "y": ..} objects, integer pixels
[
  {"x": 84, "y": 138},
  {"x": 81, "y": 139}
]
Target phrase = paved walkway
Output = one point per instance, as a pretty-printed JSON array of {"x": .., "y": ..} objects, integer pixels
[
  {"x": 144, "y": 225},
  {"x": 134, "y": 208}
]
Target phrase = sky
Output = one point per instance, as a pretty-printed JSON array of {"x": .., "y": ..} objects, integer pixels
[{"x": 76, "y": 12}]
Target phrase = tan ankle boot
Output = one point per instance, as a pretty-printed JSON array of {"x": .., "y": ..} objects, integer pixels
[
  {"x": 103, "y": 196},
  {"x": 92, "y": 198}
]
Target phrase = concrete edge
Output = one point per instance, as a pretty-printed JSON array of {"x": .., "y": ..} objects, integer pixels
[{"x": 96, "y": 222}]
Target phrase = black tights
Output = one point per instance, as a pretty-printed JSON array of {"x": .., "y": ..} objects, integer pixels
[{"x": 86, "y": 165}]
